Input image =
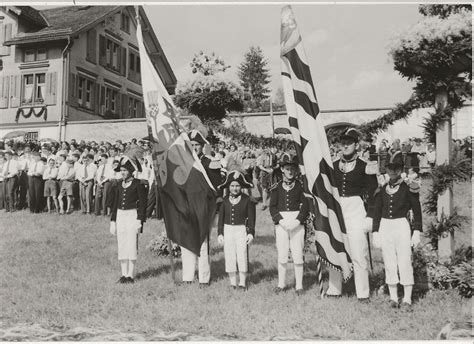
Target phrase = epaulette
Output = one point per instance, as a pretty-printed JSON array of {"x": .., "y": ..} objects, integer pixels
[{"x": 371, "y": 167}]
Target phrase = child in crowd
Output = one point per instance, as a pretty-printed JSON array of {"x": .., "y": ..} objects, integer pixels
[
  {"x": 50, "y": 177},
  {"x": 236, "y": 227},
  {"x": 392, "y": 231},
  {"x": 67, "y": 182}
]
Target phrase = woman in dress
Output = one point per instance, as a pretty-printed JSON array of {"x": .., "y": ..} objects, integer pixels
[{"x": 129, "y": 200}]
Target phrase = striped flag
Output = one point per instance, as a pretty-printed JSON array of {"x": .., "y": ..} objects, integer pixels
[
  {"x": 187, "y": 196},
  {"x": 312, "y": 148}
]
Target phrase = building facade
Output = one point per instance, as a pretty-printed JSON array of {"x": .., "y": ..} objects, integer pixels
[{"x": 71, "y": 70}]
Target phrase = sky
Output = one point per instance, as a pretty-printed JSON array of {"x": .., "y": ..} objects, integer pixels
[{"x": 346, "y": 45}]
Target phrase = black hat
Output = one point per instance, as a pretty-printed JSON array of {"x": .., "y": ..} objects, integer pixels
[
  {"x": 127, "y": 163},
  {"x": 288, "y": 159},
  {"x": 195, "y": 135},
  {"x": 351, "y": 135},
  {"x": 396, "y": 160},
  {"x": 235, "y": 176}
]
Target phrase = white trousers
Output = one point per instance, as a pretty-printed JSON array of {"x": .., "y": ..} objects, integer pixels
[
  {"x": 127, "y": 234},
  {"x": 235, "y": 248},
  {"x": 395, "y": 238},
  {"x": 189, "y": 260},
  {"x": 356, "y": 222},
  {"x": 290, "y": 240}
]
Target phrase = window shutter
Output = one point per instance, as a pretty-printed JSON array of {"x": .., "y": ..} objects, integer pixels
[
  {"x": 119, "y": 59},
  {"x": 15, "y": 91},
  {"x": 123, "y": 66},
  {"x": 51, "y": 86},
  {"x": 124, "y": 106},
  {"x": 96, "y": 104},
  {"x": 142, "y": 109},
  {"x": 4, "y": 87},
  {"x": 8, "y": 36},
  {"x": 92, "y": 45},
  {"x": 102, "y": 51},
  {"x": 102, "y": 101},
  {"x": 72, "y": 90}
]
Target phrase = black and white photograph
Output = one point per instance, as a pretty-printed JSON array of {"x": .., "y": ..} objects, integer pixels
[{"x": 235, "y": 171}]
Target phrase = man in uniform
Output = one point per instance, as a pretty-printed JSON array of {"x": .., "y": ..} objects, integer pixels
[
  {"x": 189, "y": 258},
  {"x": 354, "y": 184},
  {"x": 10, "y": 181}
]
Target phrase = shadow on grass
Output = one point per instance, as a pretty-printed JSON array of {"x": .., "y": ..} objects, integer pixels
[
  {"x": 155, "y": 272},
  {"x": 264, "y": 240}
]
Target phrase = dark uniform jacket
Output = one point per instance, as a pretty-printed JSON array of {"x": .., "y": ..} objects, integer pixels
[
  {"x": 396, "y": 206},
  {"x": 133, "y": 197},
  {"x": 242, "y": 213},
  {"x": 292, "y": 200},
  {"x": 357, "y": 183}
]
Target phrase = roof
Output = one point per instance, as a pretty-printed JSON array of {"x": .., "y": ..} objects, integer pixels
[
  {"x": 32, "y": 15},
  {"x": 63, "y": 21}
]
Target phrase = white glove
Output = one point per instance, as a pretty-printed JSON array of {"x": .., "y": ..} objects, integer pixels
[
  {"x": 368, "y": 224},
  {"x": 220, "y": 240},
  {"x": 284, "y": 224},
  {"x": 415, "y": 239},
  {"x": 249, "y": 238},
  {"x": 113, "y": 228},
  {"x": 376, "y": 240}
]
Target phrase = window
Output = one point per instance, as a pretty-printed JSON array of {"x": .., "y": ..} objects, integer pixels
[
  {"x": 35, "y": 55},
  {"x": 134, "y": 66},
  {"x": 111, "y": 99},
  {"x": 34, "y": 86},
  {"x": 112, "y": 52},
  {"x": 134, "y": 108},
  {"x": 125, "y": 23},
  {"x": 84, "y": 92}
]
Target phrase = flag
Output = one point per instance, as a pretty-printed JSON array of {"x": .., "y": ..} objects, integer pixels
[
  {"x": 187, "y": 196},
  {"x": 312, "y": 148}
]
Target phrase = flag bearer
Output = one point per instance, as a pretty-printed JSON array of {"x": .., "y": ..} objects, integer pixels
[
  {"x": 354, "y": 183},
  {"x": 236, "y": 227},
  {"x": 128, "y": 216},
  {"x": 289, "y": 209},
  {"x": 392, "y": 231}
]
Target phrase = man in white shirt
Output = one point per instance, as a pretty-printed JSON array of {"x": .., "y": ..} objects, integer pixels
[
  {"x": 35, "y": 187},
  {"x": 102, "y": 185},
  {"x": 50, "y": 178},
  {"x": 86, "y": 175}
]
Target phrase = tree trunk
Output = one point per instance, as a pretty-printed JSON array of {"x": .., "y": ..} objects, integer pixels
[{"x": 443, "y": 155}]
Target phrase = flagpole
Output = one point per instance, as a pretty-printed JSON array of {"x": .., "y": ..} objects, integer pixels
[{"x": 157, "y": 180}]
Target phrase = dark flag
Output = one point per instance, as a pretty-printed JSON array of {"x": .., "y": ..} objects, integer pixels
[
  {"x": 312, "y": 148},
  {"x": 187, "y": 196}
]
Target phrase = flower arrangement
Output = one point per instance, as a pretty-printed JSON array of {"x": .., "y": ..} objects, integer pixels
[{"x": 159, "y": 246}]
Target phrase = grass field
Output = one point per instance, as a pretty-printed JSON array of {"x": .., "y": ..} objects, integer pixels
[{"x": 60, "y": 272}]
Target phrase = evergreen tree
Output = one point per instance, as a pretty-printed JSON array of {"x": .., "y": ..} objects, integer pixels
[{"x": 254, "y": 77}]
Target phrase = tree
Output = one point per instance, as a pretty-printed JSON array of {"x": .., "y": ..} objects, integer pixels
[
  {"x": 209, "y": 95},
  {"x": 208, "y": 64},
  {"x": 437, "y": 54},
  {"x": 254, "y": 77}
]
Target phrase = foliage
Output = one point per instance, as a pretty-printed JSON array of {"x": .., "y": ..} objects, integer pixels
[
  {"x": 254, "y": 77},
  {"x": 446, "y": 224},
  {"x": 238, "y": 133},
  {"x": 209, "y": 97},
  {"x": 159, "y": 246},
  {"x": 442, "y": 11},
  {"x": 443, "y": 177},
  {"x": 436, "y": 53},
  {"x": 208, "y": 64},
  {"x": 455, "y": 273}
]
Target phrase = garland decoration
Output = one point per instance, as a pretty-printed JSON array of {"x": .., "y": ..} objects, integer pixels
[
  {"x": 446, "y": 224},
  {"x": 21, "y": 112},
  {"x": 443, "y": 177}
]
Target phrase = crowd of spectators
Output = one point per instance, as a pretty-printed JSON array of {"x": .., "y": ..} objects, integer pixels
[{"x": 78, "y": 175}]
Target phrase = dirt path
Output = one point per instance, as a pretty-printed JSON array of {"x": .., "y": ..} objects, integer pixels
[{"x": 25, "y": 332}]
